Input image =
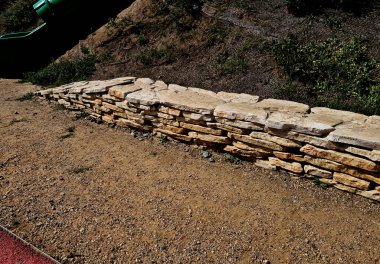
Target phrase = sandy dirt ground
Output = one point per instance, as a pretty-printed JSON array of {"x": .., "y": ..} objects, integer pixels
[{"x": 102, "y": 195}]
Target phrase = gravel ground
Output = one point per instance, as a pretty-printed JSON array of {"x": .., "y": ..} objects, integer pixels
[{"x": 102, "y": 195}]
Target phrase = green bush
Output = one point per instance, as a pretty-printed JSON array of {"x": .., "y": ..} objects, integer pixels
[
  {"x": 332, "y": 73},
  {"x": 306, "y": 7},
  {"x": 18, "y": 16},
  {"x": 65, "y": 71},
  {"x": 182, "y": 13}
]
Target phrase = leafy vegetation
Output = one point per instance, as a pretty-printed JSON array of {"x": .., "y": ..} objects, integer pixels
[
  {"x": 17, "y": 16},
  {"x": 233, "y": 159},
  {"x": 26, "y": 97},
  {"x": 332, "y": 73},
  {"x": 306, "y": 7},
  {"x": 64, "y": 71},
  {"x": 182, "y": 12},
  {"x": 317, "y": 183}
]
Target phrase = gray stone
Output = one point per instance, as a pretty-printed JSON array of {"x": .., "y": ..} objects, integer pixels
[
  {"x": 189, "y": 101},
  {"x": 373, "y": 195},
  {"x": 240, "y": 124},
  {"x": 265, "y": 164},
  {"x": 368, "y": 137},
  {"x": 298, "y": 122},
  {"x": 294, "y": 167},
  {"x": 373, "y": 121},
  {"x": 257, "y": 142},
  {"x": 145, "y": 97},
  {"x": 316, "y": 141},
  {"x": 160, "y": 85},
  {"x": 335, "y": 117},
  {"x": 372, "y": 155},
  {"x": 202, "y": 91},
  {"x": 318, "y": 172},
  {"x": 279, "y": 140},
  {"x": 45, "y": 92},
  {"x": 176, "y": 87},
  {"x": 210, "y": 138},
  {"x": 121, "y": 91},
  {"x": 340, "y": 157},
  {"x": 144, "y": 81},
  {"x": 241, "y": 111},
  {"x": 66, "y": 87},
  {"x": 274, "y": 105},
  {"x": 351, "y": 181},
  {"x": 238, "y": 98}
]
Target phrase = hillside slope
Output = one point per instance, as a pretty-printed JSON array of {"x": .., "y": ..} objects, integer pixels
[{"x": 230, "y": 46}]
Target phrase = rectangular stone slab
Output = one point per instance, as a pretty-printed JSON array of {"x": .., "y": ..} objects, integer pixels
[
  {"x": 257, "y": 142},
  {"x": 334, "y": 166},
  {"x": 306, "y": 124},
  {"x": 210, "y": 138},
  {"x": 190, "y": 101},
  {"x": 244, "y": 146},
  {"x": 340, "y": 157},
  {"x": 241, "y": 111},
  {"x": 289, "y": 156},
  {"x": 244, "y": 153},
  {"x": 274, "y": 105},
  {"x": 366, "y": 137},
  {"x": 238, "y": 98},
  {"x": 351, "y": 181},
  {"x": 318, "y": 172},
  {"x": 278, "y": 140},
  {"x": 294, "y": 167},
  {"x": 205, "y": 130},
  {"x": 121, "y": 91},
  {"x": 145, "y": 97},
  {"x": 240, "y": 124}
]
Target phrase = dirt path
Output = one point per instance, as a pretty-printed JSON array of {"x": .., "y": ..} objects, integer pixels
[{"x": 104, "y": 196}]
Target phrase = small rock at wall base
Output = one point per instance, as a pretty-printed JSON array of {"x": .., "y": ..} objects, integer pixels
[
  {"x": 206, "y": 154},
  {"x": 373, "y": 194},
  {"x": 345, "y": 188},
  {"x": 290, "y": 166},
  {"x": 318, "y": 172},
  {"x": 351, "y": 181},
  {"x": 265, "y": 164}
]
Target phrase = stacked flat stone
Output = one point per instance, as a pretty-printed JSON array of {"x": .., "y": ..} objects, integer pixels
[{"x": 339, "y": 148}]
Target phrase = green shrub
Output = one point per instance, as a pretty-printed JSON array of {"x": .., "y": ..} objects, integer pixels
[
  {"x": 26, "y": 97},
  {"x": 306, "y": 7},
  {"x": 20, "y": 15},
  {"x": 182, "y": 13},
  {"x": 65, "y": 71},
  {"x": 332, "y": 73}
]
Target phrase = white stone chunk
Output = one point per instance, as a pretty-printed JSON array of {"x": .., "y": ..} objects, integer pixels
[
  {"x": 238, "y": 98},
  {"x": 274, "y": 105},
  {"x": 368, "y": 137},
  {"x": 241, "y": 111}
]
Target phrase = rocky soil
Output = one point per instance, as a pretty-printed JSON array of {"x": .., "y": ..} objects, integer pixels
[{"x": 87, "y": 193}]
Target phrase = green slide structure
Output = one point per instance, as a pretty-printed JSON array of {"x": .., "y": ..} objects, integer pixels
[{"x": 65, "y": 22}]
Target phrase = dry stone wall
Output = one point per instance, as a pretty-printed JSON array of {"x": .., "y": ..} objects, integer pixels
[{"x": 338, "y": 148}]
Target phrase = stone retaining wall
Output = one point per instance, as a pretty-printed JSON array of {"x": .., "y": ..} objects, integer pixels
[{"x": 338, "y": 148}]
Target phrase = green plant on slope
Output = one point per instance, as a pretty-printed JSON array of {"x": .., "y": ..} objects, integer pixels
[
  {"x": 18, "y": 16},
  {"x": 332, "y": 73},
  {"x": 64, "y": 71},
  {"x": 306, "y": 7}
]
